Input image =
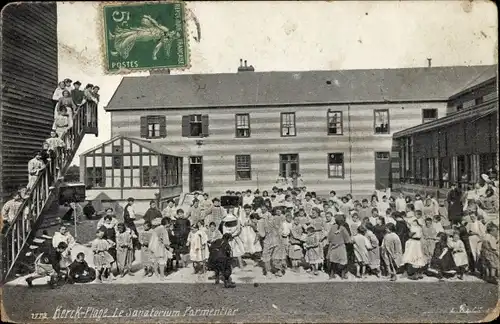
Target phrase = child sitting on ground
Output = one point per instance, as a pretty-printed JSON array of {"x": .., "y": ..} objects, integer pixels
[{"x": 79, "y": 270}]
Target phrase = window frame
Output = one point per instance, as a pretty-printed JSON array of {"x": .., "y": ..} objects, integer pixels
[
  {"x": 236, "y": 170},
  {"x": 280, "y": 161},
  {"x": 200, "y": 122},
  {"x": 426, "y": 120},
  {"x": 155, "y": 120},
  {"x": 328, "y": 122},
  {"x": 294, "y": 124},
  {"x": 247, "y": 115},
  {"x": 328, "y": 166},
  {"x": 375, "y": 111}
]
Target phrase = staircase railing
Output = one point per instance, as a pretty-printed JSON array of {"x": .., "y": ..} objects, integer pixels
[{"x": 19, "y": 230}]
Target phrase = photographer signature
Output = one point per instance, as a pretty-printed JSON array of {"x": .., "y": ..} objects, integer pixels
[{"x": 466, "y": 309}]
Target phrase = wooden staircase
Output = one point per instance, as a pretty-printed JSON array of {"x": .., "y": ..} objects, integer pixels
[{"x": 37, "y": 208}]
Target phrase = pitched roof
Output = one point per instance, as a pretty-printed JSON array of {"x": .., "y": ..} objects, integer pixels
[
  {"x": 301, "y": 87},
  {"x": 471, "y": 115},
  {"x": 155, "y": 147}
]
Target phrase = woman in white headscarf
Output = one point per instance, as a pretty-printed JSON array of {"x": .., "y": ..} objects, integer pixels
[{"x": 231, "y": 225}]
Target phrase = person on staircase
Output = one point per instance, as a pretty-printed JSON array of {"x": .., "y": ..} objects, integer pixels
[
  {"x": 58, "y": 92},
  {"x": 65, "y": 100},
  {"x": 35, "y": 166},
  {"x": 10, "y": 209},
  {"x": 76, "y": 94},
  {"x": 63, "y": 122}
]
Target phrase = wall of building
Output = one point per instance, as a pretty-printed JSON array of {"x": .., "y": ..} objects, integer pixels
[
  {"x": 358, "y": 143},
  {"x": 482, "y": 93},
  {"x": 29, "y": 77}
]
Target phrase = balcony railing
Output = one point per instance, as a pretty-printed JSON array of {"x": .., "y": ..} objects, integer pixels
[{"x": 20, "y": 229}]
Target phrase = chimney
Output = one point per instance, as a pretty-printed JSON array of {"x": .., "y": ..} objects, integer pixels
[
  {"x": 244, "y": 67},
  {"x": 429, "y": 62},
  {"x": 160, "y": 71}
]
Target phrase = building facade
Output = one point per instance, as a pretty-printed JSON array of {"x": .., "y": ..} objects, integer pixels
[
  {"x": 243, "y": 130},
  {"x": 457, "y": 148},
  {"x": 29, "y": 77}
]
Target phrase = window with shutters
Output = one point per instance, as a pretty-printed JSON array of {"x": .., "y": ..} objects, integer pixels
[
  {"x": 242, "y": 125},
  {"x": 243, "y": 167},
  {"x": 429, "y": 115},
  {"x": 336, "y": 165},
  {"x": 195, "y": 126},
  {"x": 288, "y": 124},
  {"x": 334, "y": 120},
  {"x": 153, "y": 127},
  {"x": 381, "y": 121}
]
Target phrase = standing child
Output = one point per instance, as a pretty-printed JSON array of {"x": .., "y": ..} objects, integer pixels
[
  {"x": 295, "y": 252},
  {"x": 489, "y": 253},
  {"x": 102, "y": 259},
  {"x": 392, "y": 251},
  {"x": 414, "y": 256},
  {"x": 429, "y": 238},
  {"x": 124, "y": 249},
  {"x": 182, "y": 227},
  {"x": 160, "y": 247},
  {"x": 146, "y": 256},
  {"x": 373, "y": 253},
  {"x": 476, "y": 231},
  {"x": 313, "y": 249},
  {"x": 198, "y": 248},
  {"x": 361, "y": 245},
  {"x": 459, "y": 254}
]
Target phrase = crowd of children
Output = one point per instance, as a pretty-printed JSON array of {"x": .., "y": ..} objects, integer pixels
[{"x": 294, "y": 229}]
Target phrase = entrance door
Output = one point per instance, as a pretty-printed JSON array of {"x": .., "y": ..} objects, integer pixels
[
  {"x": 382, "y": 170},
  {"x": 195, "y": 173}
]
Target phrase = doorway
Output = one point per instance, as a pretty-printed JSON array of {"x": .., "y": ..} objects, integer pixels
[
  {"x": 382, "y": 170},
  {"x": 195, "y": 173}
]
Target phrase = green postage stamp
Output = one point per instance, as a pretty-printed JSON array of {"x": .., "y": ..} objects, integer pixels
[{"x": 144, "y": 36}]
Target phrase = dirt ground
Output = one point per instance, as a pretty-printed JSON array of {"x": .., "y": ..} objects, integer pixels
[{"x": 310, "y": 302}]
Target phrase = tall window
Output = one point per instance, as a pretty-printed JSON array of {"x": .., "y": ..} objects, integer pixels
[
  {"x": 195, "y": 126},
  {"x": 336, "y": 165},
  {"x": 153, "y": 127},
  {"x": 429, "y": 115},
  {"x": 381, "y": 121},
  {"x": 288, "y": 124},
  {"x": 334, "y": 120},
  {"x": 289, "y": 164},
  {"x": 242, "y": 125},
  {"x": 243, "y": 167}
]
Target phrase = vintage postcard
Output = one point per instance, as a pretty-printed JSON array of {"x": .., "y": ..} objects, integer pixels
[{"x": 249, "y": 162}]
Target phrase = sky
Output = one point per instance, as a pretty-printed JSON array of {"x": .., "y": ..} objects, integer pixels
[{"x": 295, "y": 36}]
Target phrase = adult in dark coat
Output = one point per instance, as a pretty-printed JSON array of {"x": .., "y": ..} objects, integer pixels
[
  {"x": 455, "y": 204},
  {"x": 220, "y": 259}
]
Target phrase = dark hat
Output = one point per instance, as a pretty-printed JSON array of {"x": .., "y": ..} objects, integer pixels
[
  {"x": 215, "y": 199},
  {"x": 77, "y": 82},
  {"x": 67, "y": 80}
]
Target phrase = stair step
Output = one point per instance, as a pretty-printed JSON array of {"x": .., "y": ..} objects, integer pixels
[
  {"x": 38, "y": 240},
  {"x": 47, "y": 237},
  {"x": 29, "y": 253},
  {"x": 33, "y": 247}
]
